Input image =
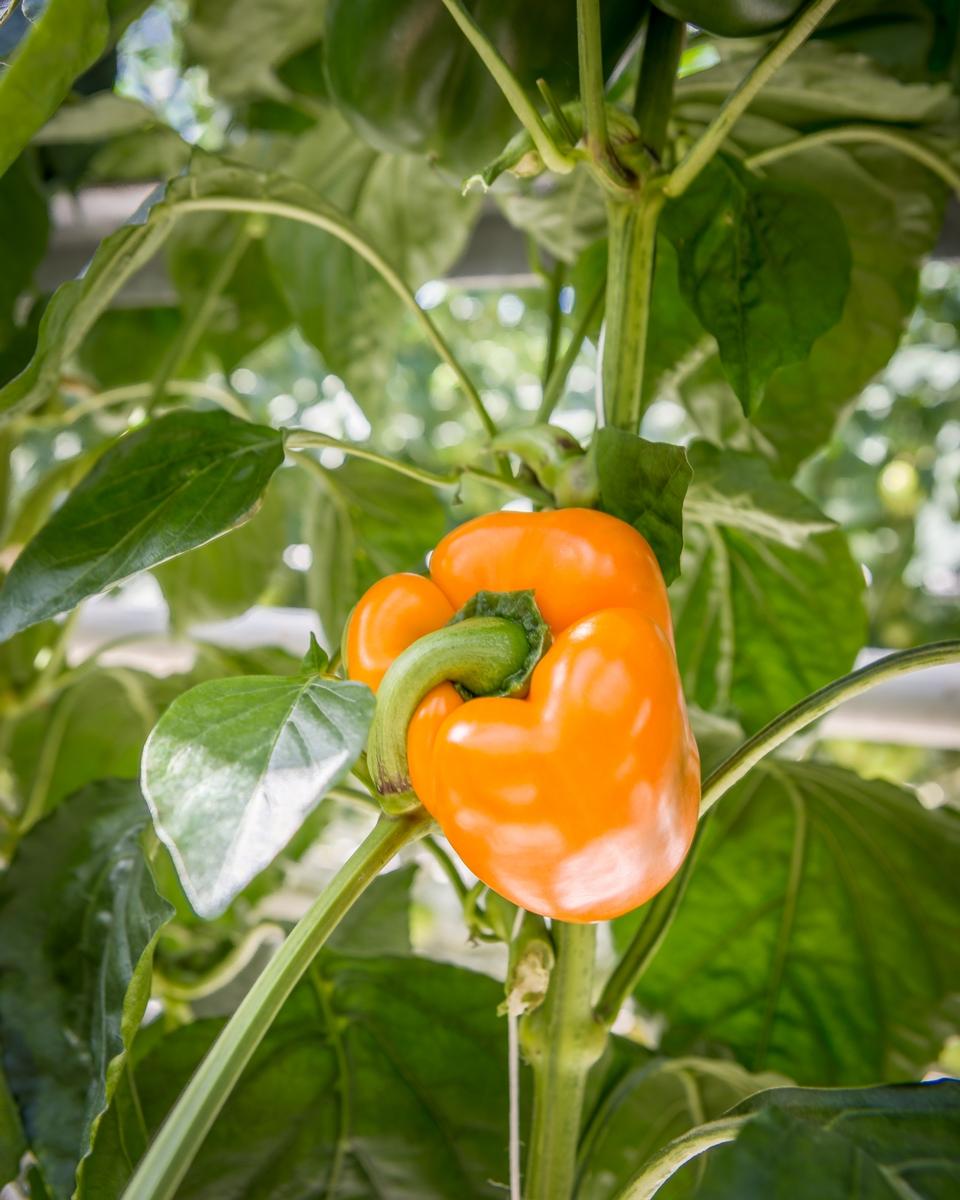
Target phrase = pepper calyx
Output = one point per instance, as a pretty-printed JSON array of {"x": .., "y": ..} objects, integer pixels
[{"x": 489, "y": 648}]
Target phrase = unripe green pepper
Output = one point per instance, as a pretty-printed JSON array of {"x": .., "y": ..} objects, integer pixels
[
  {"x": 733, "y": 18},
  {"x": 409, "y": 81}
]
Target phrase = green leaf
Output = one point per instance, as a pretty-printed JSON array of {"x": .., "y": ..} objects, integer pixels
[
  {"x": 819, "y": 935},
  {"x": 241, "y": 42},
  {"x": 759, "y": 624},
  {"x": 652, "y": 1103},
  {"x": 69, "y": 37},
  {"x": 890, "y": 205},
  {"x": 765, "y": 266},
  {"x": 340, "y": 304},
  {"x": 385, "y": 1077},
  {"x": 379, "y": 922},
  {"x": 13, "y": 1144},
  {"x": 564, "y": 219},
  {"x": 741, "y": 491},
  {"x": 96, "y": 118},
  {"x": 227, "y": 576},
  {"x": 92, "y": 730},
  {"x": 25, "y": 225},
  {"x": 171, "y": 485},
  {"x": 316, "y": 660},
  {"x": 249, "y": 310},
  {"x": 235, "y": 766},
  {"x": 644, "y": 484},
  {"x": 883, "y": 1143},
  {"x": 79, "y": 915}
]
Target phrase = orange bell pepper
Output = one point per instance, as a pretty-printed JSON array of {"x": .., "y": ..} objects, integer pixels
[{"x": 578, "y": 801}]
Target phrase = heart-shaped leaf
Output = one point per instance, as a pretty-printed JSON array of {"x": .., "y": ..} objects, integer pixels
[
  {"x": 764, "y": 266},
  {"x": 234, "y": 767},
  {"x": 885, "y": 1143},
  {"x": 170, "y": 486}
]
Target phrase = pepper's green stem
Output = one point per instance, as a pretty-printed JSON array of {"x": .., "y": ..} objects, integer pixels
[
  {"x": 169, "y": 1157},
  {"x": 561, "y": 1041},
  {"x": 633, "y": 237},
  {"x": 486, "y": 654}
]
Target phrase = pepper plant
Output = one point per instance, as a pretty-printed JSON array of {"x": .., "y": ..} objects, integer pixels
[{"x": 727, "y": 967}]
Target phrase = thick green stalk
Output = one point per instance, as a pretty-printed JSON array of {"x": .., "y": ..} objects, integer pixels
[
  {"x": 592, "y": 92},
  {"x": 562, "y": 1041},
  {"x": 633, "y": 238},
  {"x": 662, "y": 48},
  {"x": 169, "y": 1156},
  {"x": 484, "y": 654}
]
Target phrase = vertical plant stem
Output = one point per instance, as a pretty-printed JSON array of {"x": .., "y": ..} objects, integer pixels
[
  {"x": 169, "y": 1157},
  {"x": 633, "y": 237},
  {"x": 555, "y": 318},
  {"x": 558, "y": 376},
  {"x": 562, "y": 1042},
  {"x": 662, "y": 48},
  {"x": 591, "y": 83}
]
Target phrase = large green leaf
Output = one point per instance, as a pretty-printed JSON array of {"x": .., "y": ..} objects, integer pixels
[
  {"x": 398, "y": 203},
  {"x": 248, "y": 309},
  {"x": 241, "y": 42},
  {"x": 371, "y": 522},
  {"x": 173, "y": 484},
  {"x": 741, "y": 491},
  {"x": 382, "y": 1077},
  {"x": 564, "y": 218},
  {"x": 644, "y": 483},
  {"x": 79, "y": 914},
  {"x": 820, "y": 933},
  {"x": 92, "y": 730},
  {"x": 69, "y": 37},
  {"x": 23, "y": 219},
  {"x": 230, "y": 574},
  {"x": 765, "y": 266},
  {"x": 890, "y": 205},
  {"x": 884, "y": 1143},
  {"x": 762, "y": 619},
  {"x": 235, "y": 766},
  {"x": 652, "y": 1103}
]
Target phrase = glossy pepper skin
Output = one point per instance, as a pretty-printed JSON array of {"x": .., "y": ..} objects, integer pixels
[
  {"x": 580, "y": 800},
  {"x": 409, "y": 81}
]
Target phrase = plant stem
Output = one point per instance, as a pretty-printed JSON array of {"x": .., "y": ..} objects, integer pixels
[
  {"x": 299, "y": 440},
  {"x": 675, "y": 1154},
  {"x": 553, "y": 157},
  {"x": 172, "y": 1151},
  {"x": 633, "y": 237},
  {"x": 195, "y": 323},
  {"x": 662, "y": 48},
  {"x": 592, "y": 92},
  {"x": 743, "y": 96},
  {"x": 646, "y": 941},
  {"x": 774, "y": 734},
  {"x": 558, "y": 376},
  {"x": 342, "y": 229},
  {"x": 895, "y": 138},
  {"x": 555, "y": 318},
  {"x": 562, "y": 1043}
]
